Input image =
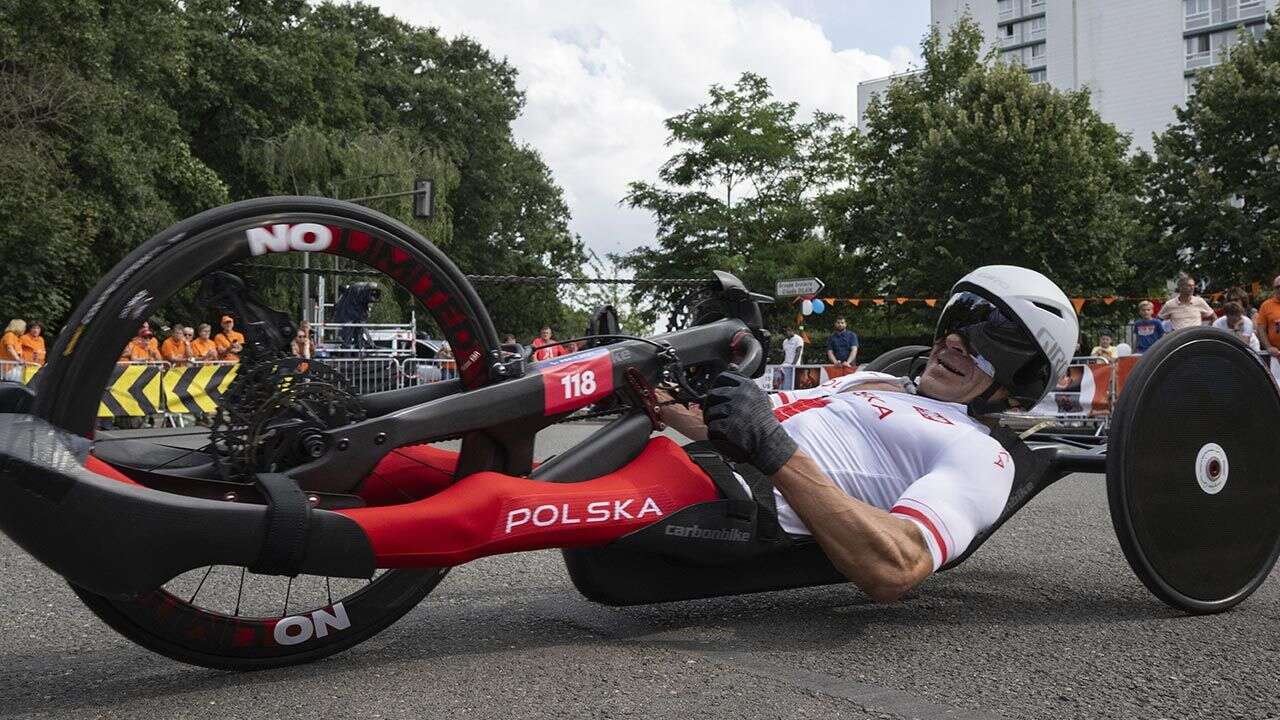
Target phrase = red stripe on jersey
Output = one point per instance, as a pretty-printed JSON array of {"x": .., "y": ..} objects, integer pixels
[
  {"x": 792, "y": 409},
  {"x": 924, "y": 519}
]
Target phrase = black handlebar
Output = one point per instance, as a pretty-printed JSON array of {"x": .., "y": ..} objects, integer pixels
[{"x": 747, "y": 353}]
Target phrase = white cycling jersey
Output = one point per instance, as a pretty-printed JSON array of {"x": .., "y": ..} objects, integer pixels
[
  {"x": 921, "y": 459},
  {"x": 836, "y": 385}
]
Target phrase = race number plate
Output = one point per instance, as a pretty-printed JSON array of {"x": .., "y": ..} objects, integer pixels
[{"x": 575, "y": 381}]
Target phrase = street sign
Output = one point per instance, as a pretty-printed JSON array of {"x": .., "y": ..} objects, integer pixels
[{"x": 798, "y": 286}]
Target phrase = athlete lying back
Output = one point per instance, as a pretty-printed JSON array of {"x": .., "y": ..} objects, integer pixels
[{"x": 893, "y": 482}]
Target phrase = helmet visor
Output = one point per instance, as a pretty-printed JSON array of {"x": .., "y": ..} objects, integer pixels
[{"x": 995, "y": 334}]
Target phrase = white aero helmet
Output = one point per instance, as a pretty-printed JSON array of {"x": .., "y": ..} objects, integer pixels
[{"x": 1020, "y": 324}]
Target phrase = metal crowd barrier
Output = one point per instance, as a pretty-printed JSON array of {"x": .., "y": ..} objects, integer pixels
[
  {"x": 17, "y": 371},
  {"x": 420, "y": 371}
]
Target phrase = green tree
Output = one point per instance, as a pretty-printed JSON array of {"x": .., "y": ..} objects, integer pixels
[
  {"x": 1214, "y": 177},
  {"x": 968, "y": 163},
  {"x": 95, "y": 159},
  {"x": 739, "y": 193},
  {"x": 135, "y": 114}
]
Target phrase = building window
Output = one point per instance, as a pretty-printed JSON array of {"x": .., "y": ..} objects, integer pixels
[
  {"x": 1037, "y": 54},
  {"x": 1190, "y": 86},
  {"x": 1196, "y": 13},
  {"x": 1037, "y": 28},
  {"x": 1037, "y": 5},
  {"x": 1004, "y": 8},
  {"x": 1039, "y": 76},
  {"x": 1008, "y": 35},
  {"x": 1251, "y": 8},
  {"x": 1198, "y": 51},
  {"x": 1014, "y": 57}
]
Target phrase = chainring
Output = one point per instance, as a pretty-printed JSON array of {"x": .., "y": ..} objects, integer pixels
[{"x": 273, "y": 415}]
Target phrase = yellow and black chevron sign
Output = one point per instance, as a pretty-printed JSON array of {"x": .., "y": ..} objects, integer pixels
[
  {"x": 196, "y": 389},
  {"x": 139, "y": 390}
]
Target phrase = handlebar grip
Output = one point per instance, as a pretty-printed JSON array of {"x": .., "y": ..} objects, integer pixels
[{"x": 748, "y": 353}]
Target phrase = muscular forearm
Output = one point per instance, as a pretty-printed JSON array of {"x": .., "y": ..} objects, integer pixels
[
  {"x": 884, "y": 555},
  {"x": 686, "y": 421}
]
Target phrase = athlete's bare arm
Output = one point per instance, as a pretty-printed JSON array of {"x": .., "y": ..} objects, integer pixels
[
  {"x": 686, "y": 421},
  {"x": 884, "y": 555}
]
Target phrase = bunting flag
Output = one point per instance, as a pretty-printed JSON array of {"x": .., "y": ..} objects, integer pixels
[{"x": 1077, "y": 302}]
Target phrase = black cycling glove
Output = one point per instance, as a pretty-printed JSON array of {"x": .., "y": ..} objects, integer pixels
[{"x": 741, "y": 424}]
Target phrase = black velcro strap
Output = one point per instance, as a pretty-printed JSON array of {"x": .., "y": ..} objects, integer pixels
[
  {"x": 284, "y": 544},
  {"x": 741, "y": 504}
]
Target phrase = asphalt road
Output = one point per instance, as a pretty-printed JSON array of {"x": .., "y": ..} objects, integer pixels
[{"x": 1045, "y": 621}]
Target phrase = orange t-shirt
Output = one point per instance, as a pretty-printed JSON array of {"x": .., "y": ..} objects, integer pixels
[
  {"x": 32, "y": 348},
  {"x": 12, "y": 347},
  {"x": 201, "y": 347},
  {"x": 133, "y": 352},
  {"x": 174, "y": 350},
  {"x": 224, "y": 341},
  {"x": 1268, "y": 317}
]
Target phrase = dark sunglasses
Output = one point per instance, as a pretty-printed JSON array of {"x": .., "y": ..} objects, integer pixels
[{"x": 988, "y": 331}]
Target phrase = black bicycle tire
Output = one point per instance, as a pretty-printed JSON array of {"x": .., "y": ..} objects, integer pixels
[
  {"x": 889, "y": 360},
  {"x": 1124, "y": 424},
  {"x": 93, "y": 335}
]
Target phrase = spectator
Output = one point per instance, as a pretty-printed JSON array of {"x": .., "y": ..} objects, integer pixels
[
  {"x": 301, "y": 344},
  {"x": 1146, "y": 330},
  {"x": 1184, "y": 309},
  {"x": 1234, "y": 321},
  {"x": 1105, "y": 349},
  {"x": 448, "y": 368},
  {"x": 203, "y": 348},
  {"x": 32, "y": 342},
  {"x": 540, "y": 344},
  {"x": 1241, "y": 296},
  {"x": 177, "y": 348},
  {"x": 842, "y": 346},
  {"x": 792, "y": 347},
  {"x": 512, "y": 347},
  {"x": 143, "y": 346},
  {"x": 11, "y": 351},
  {"x": 230, "y": 342},
  {"x": 1267, "y": 327},
  {"x": 305, "y": 326}
]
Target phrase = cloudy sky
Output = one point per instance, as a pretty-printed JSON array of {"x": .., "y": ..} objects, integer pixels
[{"x": 600, "y": 77}]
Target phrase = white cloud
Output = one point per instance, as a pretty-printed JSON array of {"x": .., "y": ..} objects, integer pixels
[{"x": 600, "y": 77}]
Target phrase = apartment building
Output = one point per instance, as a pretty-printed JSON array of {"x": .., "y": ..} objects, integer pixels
[{"x": 1138, "y": 58}]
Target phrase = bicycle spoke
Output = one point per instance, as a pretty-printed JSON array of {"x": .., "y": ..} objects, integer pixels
[
  {"x": 202, "y": 579},
  {"x": 240, "y": 592},
  {"x": 288, "y": 589},
  {"x": 328, "y": 590}
]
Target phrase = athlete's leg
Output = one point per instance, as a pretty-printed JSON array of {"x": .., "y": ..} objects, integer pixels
[{"x": 490, "y": 513}]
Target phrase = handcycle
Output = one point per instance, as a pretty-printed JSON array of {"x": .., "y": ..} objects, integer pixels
[{"x": 354, "y": 504}]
